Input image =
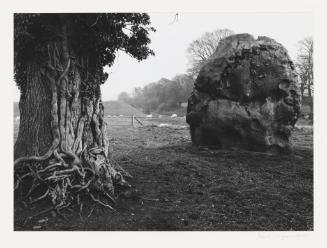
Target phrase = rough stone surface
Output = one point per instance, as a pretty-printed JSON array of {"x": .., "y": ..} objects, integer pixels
[{"x": 245, "y": 96}]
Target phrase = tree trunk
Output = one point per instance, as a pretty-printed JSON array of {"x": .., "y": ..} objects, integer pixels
[
  {"x": 34, "y": 137},
  {"x": 62, "y": 129},
  {"x": 302, "y": 85},
  {"x": 310, "y": 98}
]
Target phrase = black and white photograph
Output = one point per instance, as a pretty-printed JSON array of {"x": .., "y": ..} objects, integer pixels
[
  {"x": 226, "y": 144},
  {"x": 163, "y": 121}
]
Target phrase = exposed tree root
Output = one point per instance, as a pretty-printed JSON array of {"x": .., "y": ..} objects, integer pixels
[{"x": 74, "y": 185}]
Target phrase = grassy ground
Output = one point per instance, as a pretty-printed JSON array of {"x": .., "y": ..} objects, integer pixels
[{"x": 181, "y": 187}]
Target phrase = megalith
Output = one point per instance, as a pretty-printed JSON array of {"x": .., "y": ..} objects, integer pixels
[{"x": 245, "y": 96}]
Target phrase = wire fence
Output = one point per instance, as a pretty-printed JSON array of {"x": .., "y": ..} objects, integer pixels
[
  {"x": 123, "y": 120},
  {"x": 141, "y": 121}
]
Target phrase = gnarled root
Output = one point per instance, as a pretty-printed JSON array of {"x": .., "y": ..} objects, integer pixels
[{"x": 65, "y": 184}]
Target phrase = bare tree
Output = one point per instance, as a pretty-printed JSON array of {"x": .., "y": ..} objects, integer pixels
[
  {"x": 304, "y": 65},
  {"x": 201, "y": 49}
]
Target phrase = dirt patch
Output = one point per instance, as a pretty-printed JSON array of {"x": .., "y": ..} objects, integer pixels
[{"x": 181, "y": 187}]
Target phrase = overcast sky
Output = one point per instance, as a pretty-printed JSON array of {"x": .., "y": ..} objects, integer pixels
[{"x": 171, "y": 40}]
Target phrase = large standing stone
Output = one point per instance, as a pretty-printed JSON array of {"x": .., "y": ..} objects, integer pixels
[{"x": 245, "y": 96}]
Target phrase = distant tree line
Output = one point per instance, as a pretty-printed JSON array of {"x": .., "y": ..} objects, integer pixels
[
  {"x": 166, "y": 95},
  {"x": 161, "y": 96}
]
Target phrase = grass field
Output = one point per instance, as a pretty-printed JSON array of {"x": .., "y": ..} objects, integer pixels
[{"x": 181, "y": 187}]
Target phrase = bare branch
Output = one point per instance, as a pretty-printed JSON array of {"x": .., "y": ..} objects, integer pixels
[{"x": 200, "y": 50}]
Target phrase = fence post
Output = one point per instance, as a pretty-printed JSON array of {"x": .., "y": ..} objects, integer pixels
[{"x": 132, "y": 119}]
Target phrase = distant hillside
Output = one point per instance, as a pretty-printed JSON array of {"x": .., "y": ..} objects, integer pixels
[
  {"x": 120, "y": 108},
  {"x": 110, "y": 108}
]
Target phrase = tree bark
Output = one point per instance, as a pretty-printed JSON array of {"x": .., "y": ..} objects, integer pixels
[
  {"x": 34, "y": 136},
  {"x": 62, "y": 128}
]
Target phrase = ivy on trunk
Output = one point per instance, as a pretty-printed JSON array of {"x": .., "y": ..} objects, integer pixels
[{"x": 61, "y": 153}]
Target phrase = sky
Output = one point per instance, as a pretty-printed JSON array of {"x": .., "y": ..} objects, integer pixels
[{"x": 172, "y": 39}]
